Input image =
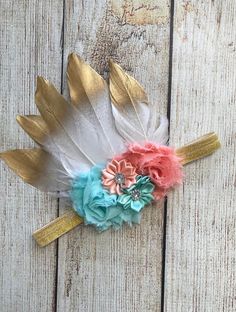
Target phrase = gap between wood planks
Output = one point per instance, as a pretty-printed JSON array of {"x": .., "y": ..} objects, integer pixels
[
  {"x": 172, "y": 6},
  {"x": 58, "y": 200},
  {"x": 168, "y": 115}
]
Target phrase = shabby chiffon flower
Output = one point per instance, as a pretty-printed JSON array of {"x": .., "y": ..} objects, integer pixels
[
  {"x": 96, "y": 205},
  {"x": 159, "y": 162},
  {"x": 118, "y": 175},
  {"x": 138, "y": 195}
]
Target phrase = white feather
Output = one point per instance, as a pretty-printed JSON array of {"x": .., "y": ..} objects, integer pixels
[
  {"x": 160, "y": 132},
  {"x": 92, "y": 129},
  {"x": 73, "y": 135},
  {"x": 135, "y": 120},
  {"x": 90, "y": 95}
]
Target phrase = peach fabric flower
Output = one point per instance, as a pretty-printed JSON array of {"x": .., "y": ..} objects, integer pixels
[
  {"x": 118, "y": 175},
  {"x": 159, "y": 162}
]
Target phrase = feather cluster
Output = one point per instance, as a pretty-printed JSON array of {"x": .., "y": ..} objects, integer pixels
[{"x": 100, "y": 122}]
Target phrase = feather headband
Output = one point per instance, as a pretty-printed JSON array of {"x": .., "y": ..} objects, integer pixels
[{"x": 106, "y": 150}]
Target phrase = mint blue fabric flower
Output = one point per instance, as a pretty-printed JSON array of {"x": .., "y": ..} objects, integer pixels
[
  {"x": 138, "y": 195},
  {"x": 96, "y": 205}
]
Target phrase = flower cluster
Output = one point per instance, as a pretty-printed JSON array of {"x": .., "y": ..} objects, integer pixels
[
  {"x": 109, "y": 195},
  {"x": 158, "y": 162}
]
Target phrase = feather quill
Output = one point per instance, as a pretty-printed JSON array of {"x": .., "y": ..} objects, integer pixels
[
  {"x": 59, "y": 117},
  {"x": 130, "y": 108},
  {"x": 133, "y": 117},
  {"x": 37, "y": 129},
  {"x": 75, "y": 136},
  {"x": 90, "y": 95}
]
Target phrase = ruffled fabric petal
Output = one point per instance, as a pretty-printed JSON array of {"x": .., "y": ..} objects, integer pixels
[
  {"x": 96, "y": 205},
  {"x": 158, "y": 162}
]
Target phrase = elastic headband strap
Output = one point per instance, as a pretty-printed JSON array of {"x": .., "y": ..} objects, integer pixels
[
  {"x": 57, "y": 228},
  {"x": 197, "y": 149},
  {"x": 202, "y": 147}
]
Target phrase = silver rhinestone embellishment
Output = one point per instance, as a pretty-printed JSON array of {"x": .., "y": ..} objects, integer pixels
[
  {"x": 119, "y": 178},
  {"x": 135, "y": 194}
]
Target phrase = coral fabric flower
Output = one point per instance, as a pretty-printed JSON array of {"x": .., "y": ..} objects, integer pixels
[
  {"x": 118, "y": 175},
  {"x": 159, "y": 162}
]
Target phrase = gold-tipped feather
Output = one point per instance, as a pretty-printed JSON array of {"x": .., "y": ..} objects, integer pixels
[
  {"x": 124, "y": 89},
  {"x": 59, "y": 116},
  {"x": 83, "y": 81},
  {"x": 90, "y": 95},
  {"x": 51, "y": 104},
  {"x": 37, "y": 168},
  {"x": 56, "y": 130},
  {"x": 29, "y": 164},
  {"x": 35, "y": 127},
  {"x": 132, "y": 117}
]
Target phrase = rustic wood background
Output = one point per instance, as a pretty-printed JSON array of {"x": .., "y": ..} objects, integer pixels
[{"x": 182, "y": 257}]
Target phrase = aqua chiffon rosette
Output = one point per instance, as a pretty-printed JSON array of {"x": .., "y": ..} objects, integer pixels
[
  {"x": 107, "y": 196},
  {"x": 97, "y": 205}
]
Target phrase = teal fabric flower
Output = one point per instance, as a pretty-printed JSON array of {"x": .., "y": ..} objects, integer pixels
[
  {"x": 96, "y": 205},
  {"x": 138, "y": 195}
]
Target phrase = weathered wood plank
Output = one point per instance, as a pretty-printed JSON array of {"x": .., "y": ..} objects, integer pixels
[
  {"x": 117, "y": 271},
  {"x": 201, "y": 240},
  {"x": 30, "y": 45}
]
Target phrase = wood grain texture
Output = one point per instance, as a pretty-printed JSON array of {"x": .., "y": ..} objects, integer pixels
[
  {"x": 200, "y": 252},
  {"x": 30, "y": 45},
  {"x": 116, "y": 271},
  {"x": 122, "y": 271}
]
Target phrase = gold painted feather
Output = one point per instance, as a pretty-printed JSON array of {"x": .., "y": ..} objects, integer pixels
[
  {"x": 38, "y": 168},
  {"x": 124, "y": 89},
  {"x": 35, "y": 127},
  {"x": 75, "y": 136},
  {"x": 132, "y": 113},
  {"x": 85, "y": 84},
  {"x": 95, "y": 126}
]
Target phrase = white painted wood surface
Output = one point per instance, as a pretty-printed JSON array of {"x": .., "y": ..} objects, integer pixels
[
  {"x": 122, "y": 271},
  {"x": 201, "y": 224},
  {"x": 29, "y": 45},
  {"x": 116, "y": 271}
]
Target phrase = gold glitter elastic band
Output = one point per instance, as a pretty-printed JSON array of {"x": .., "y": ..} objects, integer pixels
[
  {"x": 202, "y": 147},
  {"x": 57, "y": 228}
]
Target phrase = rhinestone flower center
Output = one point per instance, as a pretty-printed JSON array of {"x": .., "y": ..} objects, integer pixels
[
  {"x": 135, "y": 194},
  {"x": 119, "y": 178}
]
